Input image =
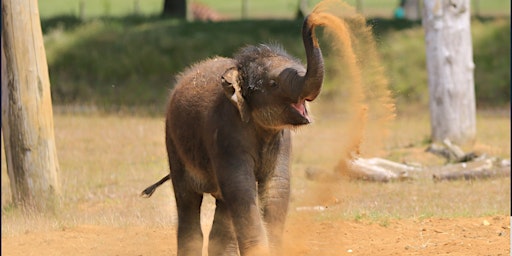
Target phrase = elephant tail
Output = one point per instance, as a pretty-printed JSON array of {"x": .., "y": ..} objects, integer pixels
[{"x": 146, "y": 193}]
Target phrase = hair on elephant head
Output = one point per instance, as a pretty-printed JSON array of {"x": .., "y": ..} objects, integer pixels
[
  {"x": 227, "y": 134},
  {"x": 265, "y": 76},
  {"x": 273, "y": 85}
]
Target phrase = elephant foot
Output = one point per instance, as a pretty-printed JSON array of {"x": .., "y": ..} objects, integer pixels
[{"x": 259, "y": 250}]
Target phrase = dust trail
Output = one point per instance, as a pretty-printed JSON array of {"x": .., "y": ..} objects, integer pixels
[
  {"x": 366, "y": 98},
  {"x": 359, "y": 90},
  {"x": 339, "y": 31}
]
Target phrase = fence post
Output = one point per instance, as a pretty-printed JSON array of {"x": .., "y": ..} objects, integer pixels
[
  {"x": 359, "y": 6},
  {"x": 81, "y": 10},
  {"x": 136, "y": 7},
  {"x": 477, "y": 8},
  {"x": 244, "y": 9}
]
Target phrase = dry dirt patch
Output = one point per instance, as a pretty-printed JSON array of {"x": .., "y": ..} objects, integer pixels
[
  {"x": 103, "y": 215},
  {"x": 433, "y": 236}
]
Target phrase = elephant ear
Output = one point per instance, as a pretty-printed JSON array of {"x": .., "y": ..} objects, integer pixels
[{"x": 233, "y": 90}]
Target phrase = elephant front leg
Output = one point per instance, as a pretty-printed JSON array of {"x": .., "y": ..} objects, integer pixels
[
  {"x": 275, "y": 195},
  {"x": 222, "y": 239},
  {"x": 250, "y": 231},
  {"x": 239, "y": 194},
  {"x": 274, "y": 192}
]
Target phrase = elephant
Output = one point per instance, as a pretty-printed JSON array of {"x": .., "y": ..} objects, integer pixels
[{"x": 227, "y": 133}]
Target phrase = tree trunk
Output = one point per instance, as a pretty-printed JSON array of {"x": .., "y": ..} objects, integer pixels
[
  {"x": 359, "y": 6},
  {"x": 450, "y": 69},
  {"x": 302, "y": 9},
  {"x": 27, "y": 118},
  {"x": 175, "y": 9}
]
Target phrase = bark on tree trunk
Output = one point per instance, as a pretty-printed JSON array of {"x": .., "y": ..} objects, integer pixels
[
  {"x": 450, "y": 69},
  {"x": 27, "y": 118},
  {"x": 301, "y": 9}
]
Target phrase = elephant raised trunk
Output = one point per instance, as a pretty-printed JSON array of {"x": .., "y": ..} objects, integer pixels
[
  {"x": 306, "y": 86},
  {"x": 315, "y": 62}
]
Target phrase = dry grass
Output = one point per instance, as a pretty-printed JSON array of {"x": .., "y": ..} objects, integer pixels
[
  {"x": 106, "y": 160},
  {"x": 319, "y": 146}
]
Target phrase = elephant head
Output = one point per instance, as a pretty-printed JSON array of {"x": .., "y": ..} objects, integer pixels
[{"x": 271, "y": 87}]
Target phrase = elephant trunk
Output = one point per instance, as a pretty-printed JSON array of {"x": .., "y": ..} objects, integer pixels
[{"x": 315, "y": 63}]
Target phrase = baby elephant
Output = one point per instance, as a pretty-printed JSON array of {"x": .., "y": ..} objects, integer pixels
[{"x": 227, "y": 133}]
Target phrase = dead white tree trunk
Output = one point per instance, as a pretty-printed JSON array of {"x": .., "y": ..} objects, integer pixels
[
  {"x": 450, "y": 70},
  {"x": 27, "y": 117}
]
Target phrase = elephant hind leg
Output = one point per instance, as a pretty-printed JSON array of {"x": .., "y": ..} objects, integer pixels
[
  {"x": 222, "y": 240},
  {"x": 188, "y": 204},
  {"x": 190, "y": 235}
]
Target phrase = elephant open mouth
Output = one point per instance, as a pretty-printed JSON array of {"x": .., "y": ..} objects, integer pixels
[{"x": 301, "y": 108}]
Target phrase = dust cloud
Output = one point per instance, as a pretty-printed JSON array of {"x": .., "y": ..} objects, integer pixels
[
  {"x": 361, "y": 86},
  {"x": 359, "y": 90}
]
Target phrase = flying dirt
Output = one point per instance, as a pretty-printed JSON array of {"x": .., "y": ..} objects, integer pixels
[{"x": 361, "y": 86}]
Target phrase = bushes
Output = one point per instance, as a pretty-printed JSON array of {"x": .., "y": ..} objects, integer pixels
[
  {"x": 131, "y": 61},
  {"x": 492, "y": 62}
]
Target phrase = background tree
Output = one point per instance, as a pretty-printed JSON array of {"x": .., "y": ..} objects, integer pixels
[
  {"x": 175, "y": 9},
  {"x": 450, "y": 69},
  {"x": 27, "y": 118},
  {"x": 302, "y": 9}
]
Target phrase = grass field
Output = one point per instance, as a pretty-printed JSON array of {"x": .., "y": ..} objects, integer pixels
[
  {"x": 131, "y": 62},
  {"x": 106, "y": 160},
  {"x": 126, "y": 62},
  {"x": 256, "y": 9}
]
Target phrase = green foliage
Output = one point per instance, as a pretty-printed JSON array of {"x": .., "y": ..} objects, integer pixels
[
  {"x": 233, "y": 9},
  {"x": 97, "y": 8},
  {"x": 491, "y": 55},
  {"x": 404, "y": 57},
  {"x": 131, "y": 61},
  {"x": 112, "y": 62}
]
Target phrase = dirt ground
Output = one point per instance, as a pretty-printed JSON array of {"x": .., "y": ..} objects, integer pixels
[
  {"x": 459, "y": 236},
  {"x": 111, "y": 220},
  {"x": 105, "y": 215}
]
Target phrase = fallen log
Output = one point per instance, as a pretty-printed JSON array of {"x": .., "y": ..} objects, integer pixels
[
  {"x": 451, "y": 152},
  {"x": 378, "y": 169},
  {"x": 382, "y": 170},
  {"x": 480, "y": 169}
]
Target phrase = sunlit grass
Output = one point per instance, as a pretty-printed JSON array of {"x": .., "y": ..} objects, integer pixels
[
  {"x": 318, "y": 146},
  {"x": 233, "y": 9},
  {"x": 106, "y": 160}
]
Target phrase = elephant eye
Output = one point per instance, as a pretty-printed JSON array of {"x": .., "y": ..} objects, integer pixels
[{"x": 273, "y": 83}]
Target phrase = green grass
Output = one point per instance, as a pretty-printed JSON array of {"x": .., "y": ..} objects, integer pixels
[
  {"x": 128, "y": 62},
  {"x": 96, "y": 8},
  {"x": 111, "y": 63},
  {"x": 232, "y": 9},
  {"x": 491, "y": 78},
  {"x": 125, "y": 62}
]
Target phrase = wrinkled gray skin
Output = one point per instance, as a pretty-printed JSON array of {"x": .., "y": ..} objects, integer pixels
[{"x": 227, "y": 134}]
